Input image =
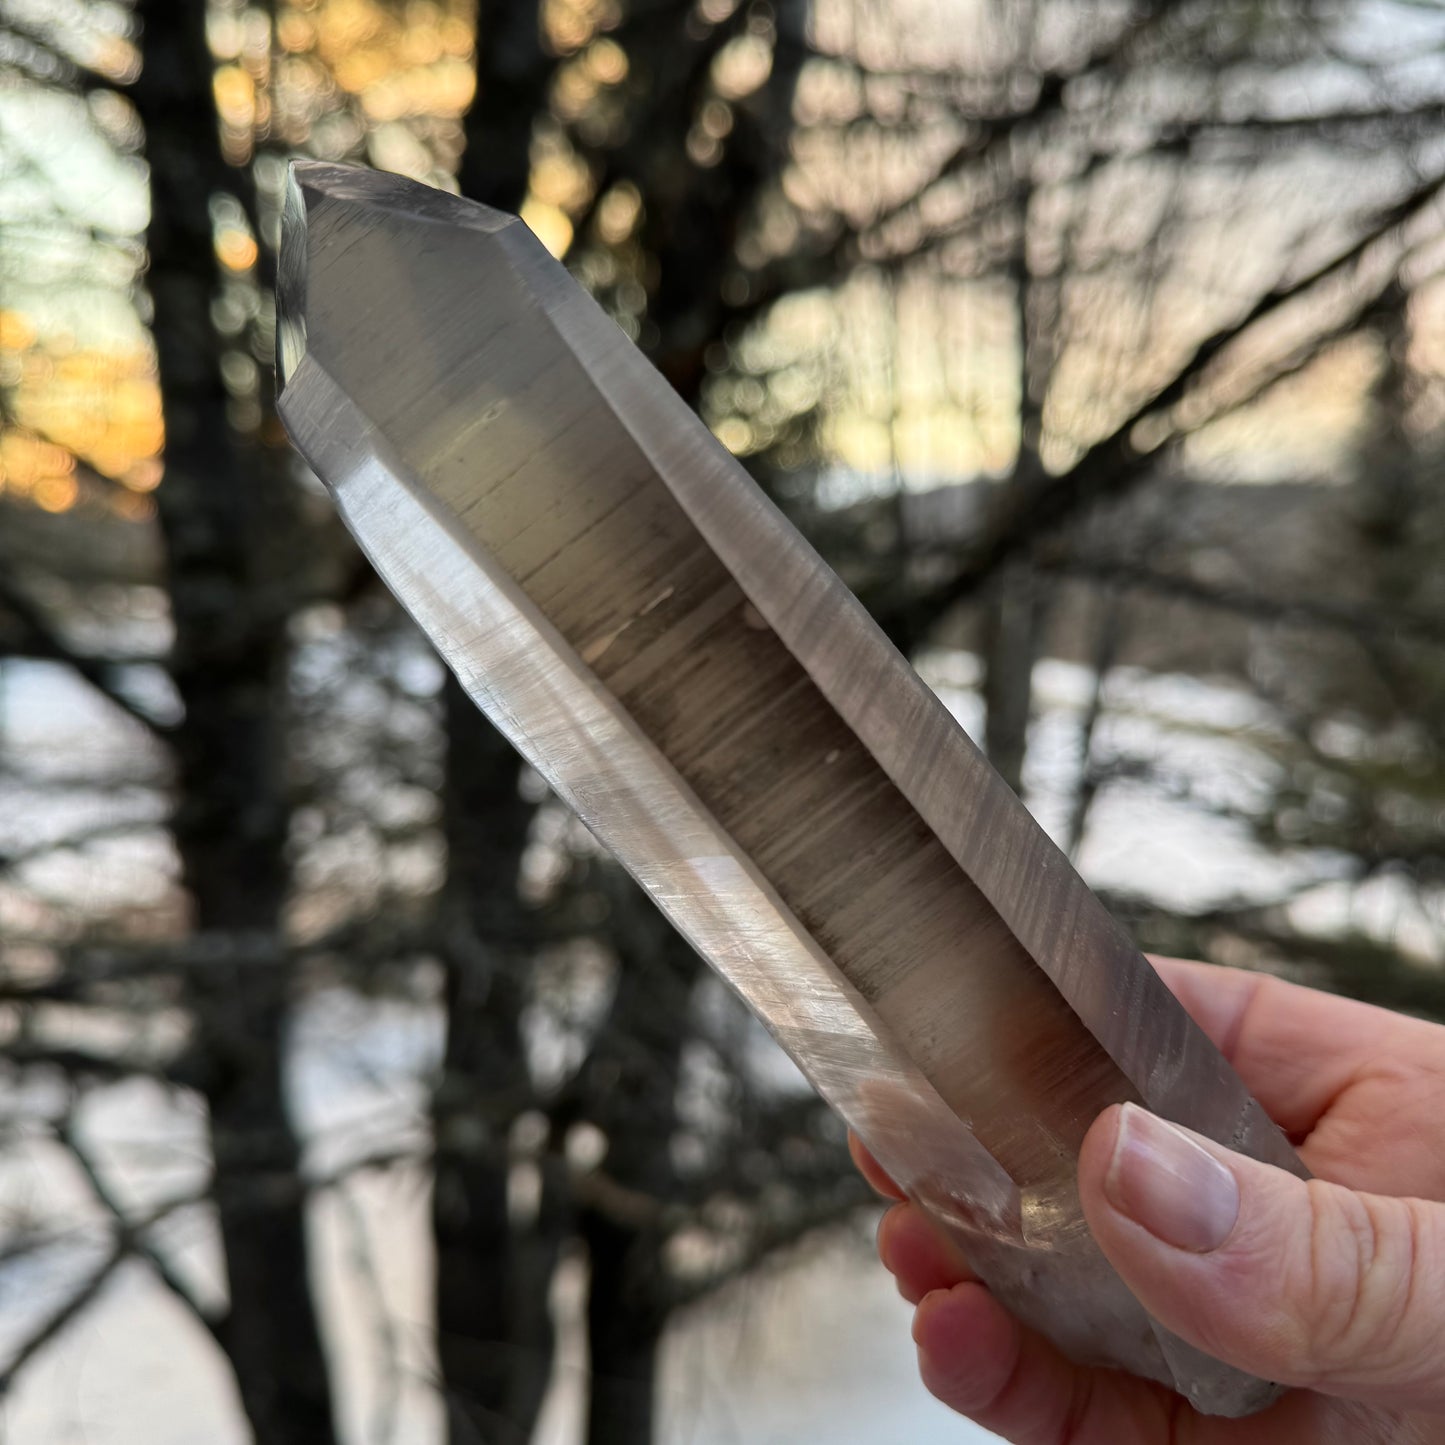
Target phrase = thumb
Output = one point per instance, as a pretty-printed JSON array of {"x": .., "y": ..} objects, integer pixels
[{"x": 1301, "y": 1282}]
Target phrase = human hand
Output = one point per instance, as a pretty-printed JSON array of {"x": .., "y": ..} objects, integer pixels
[{"x": 1320, "y": 1286}]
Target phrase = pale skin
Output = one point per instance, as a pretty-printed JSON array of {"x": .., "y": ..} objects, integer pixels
[{"x": 1335, "y": 1288}]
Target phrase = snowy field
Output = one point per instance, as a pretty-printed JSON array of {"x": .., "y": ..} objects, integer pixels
[{"x": 814, "y": 1349}]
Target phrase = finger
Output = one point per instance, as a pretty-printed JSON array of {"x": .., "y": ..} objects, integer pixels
[
  {"x": 871, "y": 1169},
  {"x": 1307, "y": 1283},
  {"x": 975, "y": 1357},
  {"x": 916, "y": 1254},
  {"x": 1296, "y": 1048}
]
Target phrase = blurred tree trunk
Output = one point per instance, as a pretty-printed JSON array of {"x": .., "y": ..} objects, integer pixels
[
  {"x": 224, "y": 516},
  {"x": 493, "y": 1270},
  {"x": 1011, "y": 635},
  {"x": 513, "y": 71},
  {"x": 1012, "y": 614},
  {"x": 631, "y": 1082},
  {"x": 623, "y": 1335}
]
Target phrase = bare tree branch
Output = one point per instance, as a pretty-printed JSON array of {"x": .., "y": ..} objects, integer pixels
[
  {"x": 40, "y": 640},
  {"x": 775, "y": 1231},
  {"x": 1039, "y": 504},
  {"x": 121, "y": 1247},
  {"x": 990, "y": 133},
  {"x": 81, "y": 1063},
  {"x": 1356, "y": 619}
]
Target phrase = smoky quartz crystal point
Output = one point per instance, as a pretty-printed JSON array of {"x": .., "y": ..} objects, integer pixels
[{"x": 660, "y": 643}]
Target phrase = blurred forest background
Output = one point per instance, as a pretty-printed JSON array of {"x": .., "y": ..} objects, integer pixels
[{"x": 1100, "y": 344}]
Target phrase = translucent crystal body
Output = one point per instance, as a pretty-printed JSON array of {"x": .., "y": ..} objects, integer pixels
[{"x": 662, "y": 645}]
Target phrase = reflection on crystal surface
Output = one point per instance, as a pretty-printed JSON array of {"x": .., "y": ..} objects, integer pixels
[{"x": 629, "y": 610}]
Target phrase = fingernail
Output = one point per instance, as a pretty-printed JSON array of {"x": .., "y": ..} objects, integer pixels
[{"x": 1161, "y": 1179}]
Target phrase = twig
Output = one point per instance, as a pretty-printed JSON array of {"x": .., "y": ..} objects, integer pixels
[
  {"x": 131, "y": 1235},
  {"x": 56, "y": 1322},
  {"x": 996, "y": 132},
  {"x": 73, "y": 841}
]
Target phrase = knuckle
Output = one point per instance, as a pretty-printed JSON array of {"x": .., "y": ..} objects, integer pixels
[{"x": 1363, "y": 1257}]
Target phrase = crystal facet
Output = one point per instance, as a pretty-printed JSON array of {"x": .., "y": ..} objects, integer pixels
[{"x": 663, "y": 646}]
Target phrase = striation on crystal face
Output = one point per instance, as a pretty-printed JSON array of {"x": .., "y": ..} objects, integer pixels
[{"x": 662, "y": 645}]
